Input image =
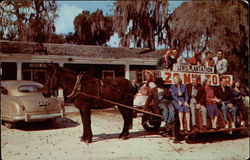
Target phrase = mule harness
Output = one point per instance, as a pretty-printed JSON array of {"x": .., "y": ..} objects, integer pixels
[
  {"x": 77, "y": 87},
  {"x": 77, "y": 90}
]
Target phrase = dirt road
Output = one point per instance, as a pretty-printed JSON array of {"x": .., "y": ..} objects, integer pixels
[{"x": 62, "y": 142}]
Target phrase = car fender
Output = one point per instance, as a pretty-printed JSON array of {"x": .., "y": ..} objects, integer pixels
[{"x": 10, "y": 106}]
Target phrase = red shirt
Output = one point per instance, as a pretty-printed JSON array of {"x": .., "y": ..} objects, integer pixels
[
  {"x": 209, "y": 94},
  {"x": 209, "y": 61}
]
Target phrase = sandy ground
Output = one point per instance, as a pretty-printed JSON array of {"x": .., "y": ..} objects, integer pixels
[{"x": 36, "y": 141}]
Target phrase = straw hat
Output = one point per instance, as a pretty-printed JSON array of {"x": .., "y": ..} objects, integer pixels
[{"x": 149, "y": 72}]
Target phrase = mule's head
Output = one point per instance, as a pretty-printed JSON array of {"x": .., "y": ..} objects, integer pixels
[{"x": 51, "y": 80}]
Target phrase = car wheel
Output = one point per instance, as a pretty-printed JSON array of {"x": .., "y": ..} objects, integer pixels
[{"x": 9, "y": 124}]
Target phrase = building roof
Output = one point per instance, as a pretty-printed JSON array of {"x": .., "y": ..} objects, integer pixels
[{"x": 86, "y": 51}]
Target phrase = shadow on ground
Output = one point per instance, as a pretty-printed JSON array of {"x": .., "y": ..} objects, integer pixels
[
  {"x": 46, "y": 125},
  {"x": 216, "y": 137},
  {"x": 139, "y": 134},
  {"x": 199, "y": 138}
]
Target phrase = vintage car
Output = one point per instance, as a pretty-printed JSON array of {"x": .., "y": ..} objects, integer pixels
[{"x": 23, "y": 101}]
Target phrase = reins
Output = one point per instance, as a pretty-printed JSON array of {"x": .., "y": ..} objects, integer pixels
[
  {"x": 119, "y": 104},
  {"x": 77, "y": 88}
]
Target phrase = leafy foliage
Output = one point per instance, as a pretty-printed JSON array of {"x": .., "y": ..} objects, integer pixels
[
  {"x": 28, "y": 20},
  {"x": 146, "y": 20},
  {"x": 71, "y": 38},
  {"x": 213, "y": 25},
  {"x": 94, "y": 29},
  {"x": 210, "y": 24}
]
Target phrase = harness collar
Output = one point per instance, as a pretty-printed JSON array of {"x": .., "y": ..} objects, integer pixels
[{"x": 77, "y": 87}]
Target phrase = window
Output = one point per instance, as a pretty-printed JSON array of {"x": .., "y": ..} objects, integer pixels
[
  {"x": 30, "y": 89},
  {"x": 39, "y": 76},
  {"x": 34, "y": 72},
  {"x": 108, "y": 74},
  {"x": 27, "y": 74},
  {"x": 9, "y": 71}
]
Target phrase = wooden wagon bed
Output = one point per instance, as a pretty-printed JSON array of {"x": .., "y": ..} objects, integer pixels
[{"x": 214, "y": 131}]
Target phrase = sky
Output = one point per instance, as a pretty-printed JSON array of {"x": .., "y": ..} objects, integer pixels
[{"x": 68, "y": 10}]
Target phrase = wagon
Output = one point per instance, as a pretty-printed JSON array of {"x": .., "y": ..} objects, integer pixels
[
  {"x": 153, "y": 123},
  {"x": 186, "y": 72}
]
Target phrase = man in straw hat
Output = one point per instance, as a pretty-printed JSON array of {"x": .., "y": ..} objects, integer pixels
[{"x": 141, "y": 96}]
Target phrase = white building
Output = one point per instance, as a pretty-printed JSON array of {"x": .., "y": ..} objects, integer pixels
[{"x": 25, "y": 60}]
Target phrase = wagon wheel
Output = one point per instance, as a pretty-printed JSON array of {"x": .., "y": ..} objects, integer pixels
[
  {"x": 9, "y": 124},
  {"x": 151, "y": 123}
]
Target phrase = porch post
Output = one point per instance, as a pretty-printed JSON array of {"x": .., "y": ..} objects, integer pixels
[
  {"x": 127, "y": 71},
  {"x": 19, "y": 71},
  {"x": 60, "y": 91}
]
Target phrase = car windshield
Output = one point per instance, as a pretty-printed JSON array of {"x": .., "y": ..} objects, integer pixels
[{"x": 30, "y": 89}]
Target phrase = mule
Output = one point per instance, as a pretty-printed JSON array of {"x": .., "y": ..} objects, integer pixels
[{"x": 117, "y": 89}]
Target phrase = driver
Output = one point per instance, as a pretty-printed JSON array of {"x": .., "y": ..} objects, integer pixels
[{"x": 142, "y": 95}]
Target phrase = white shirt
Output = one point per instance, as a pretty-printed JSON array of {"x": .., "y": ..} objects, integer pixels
[
  {"x": 221, "y": 65},
  {"x": 152, "y": 85},
  {"x": 181, "y": 60},
  {"x": 140, "y": 98}
]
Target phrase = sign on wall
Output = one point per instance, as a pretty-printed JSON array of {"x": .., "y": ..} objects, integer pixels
[
  {"x": 167, "y": 76},
  {"x": 37, "y": 65}
]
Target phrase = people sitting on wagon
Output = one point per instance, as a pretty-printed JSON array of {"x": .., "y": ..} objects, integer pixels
[
  {"x": 178, "y": 57},
  {"x": 238, "y": 94},
  {"x": 171, "y": 57},
  {"x": 207, "y": 98},
  {"x": 168, "y": 59},
  {"x": 160, "y": 98},
  {"x": 134, "y": 84},
  {"x": 220, "y": 63},
  {"x": 141, "y": 96},
  {"x": 194, "y": 96},
  {"x": 225, "y": 96},
  {"x": 246, "y": 98},
  {"x": 209, "y": 59},
  {"x": 180, "y": 101},
  {"x": 196, "y": 59}
]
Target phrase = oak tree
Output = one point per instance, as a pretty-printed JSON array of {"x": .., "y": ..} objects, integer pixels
[
  {"x": 93, "y": 28},
  {"x": 213, "y": 25},
  {"x": 142, "y": 22},
  {"x": 28, "y": 20}
]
